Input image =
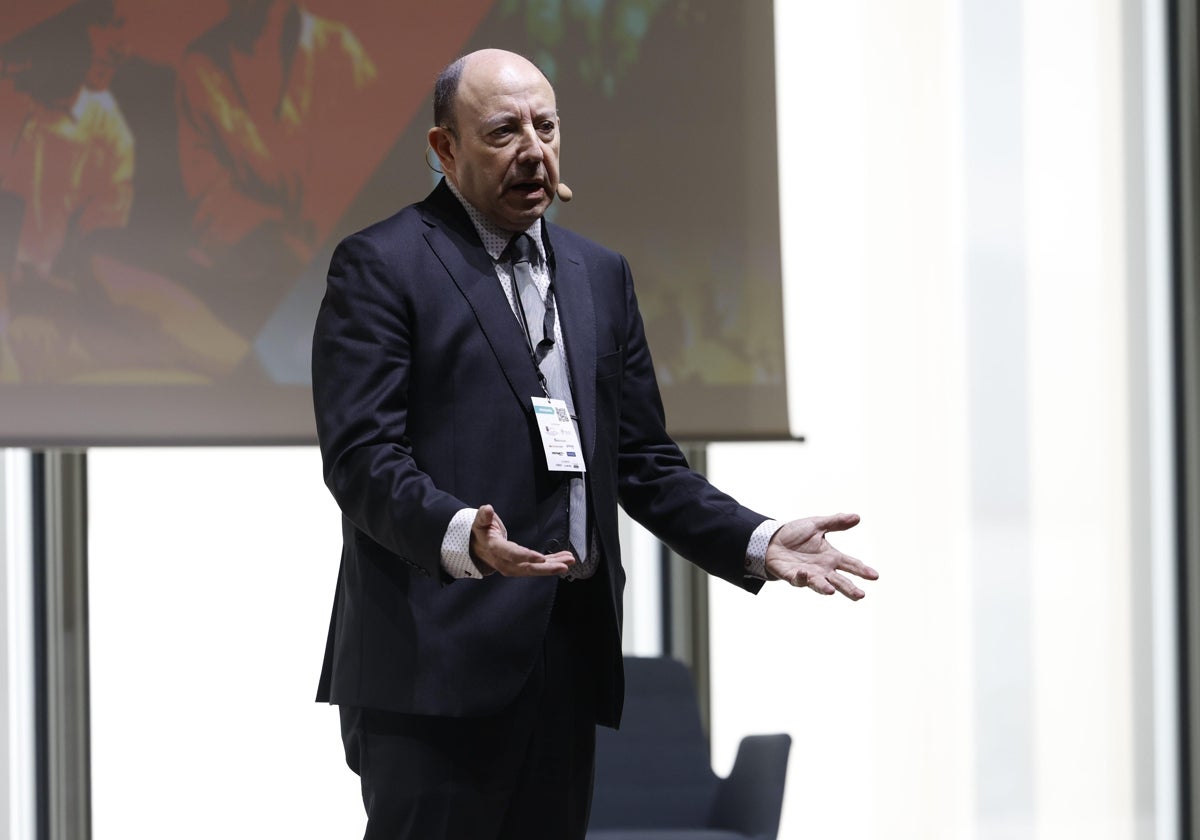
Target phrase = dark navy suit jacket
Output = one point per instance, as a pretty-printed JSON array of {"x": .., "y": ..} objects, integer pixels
[{"x": 422, "y": 381}]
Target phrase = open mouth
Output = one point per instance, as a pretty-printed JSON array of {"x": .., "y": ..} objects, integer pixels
[{"x": 528, "y": 188}]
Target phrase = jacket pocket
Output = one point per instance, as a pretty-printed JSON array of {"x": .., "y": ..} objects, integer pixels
[{"x": 610, "y": 364}]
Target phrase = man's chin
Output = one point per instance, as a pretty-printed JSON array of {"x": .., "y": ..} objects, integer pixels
[{"x": 520, "y": 215}]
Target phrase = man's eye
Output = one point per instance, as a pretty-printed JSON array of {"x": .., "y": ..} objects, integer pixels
[{"x": 547, "y": 127}]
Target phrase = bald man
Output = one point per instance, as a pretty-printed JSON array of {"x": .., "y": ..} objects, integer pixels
[{"x": 484, "y": 398}]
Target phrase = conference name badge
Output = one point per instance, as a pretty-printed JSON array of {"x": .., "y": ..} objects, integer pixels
[{"x": 559, "y": 438}]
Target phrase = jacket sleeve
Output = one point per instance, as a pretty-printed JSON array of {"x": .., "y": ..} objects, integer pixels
[
  {"x": 361, "y": 366},
  {"x": 656, "y": 485}
]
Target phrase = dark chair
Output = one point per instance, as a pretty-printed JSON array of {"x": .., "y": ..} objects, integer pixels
[{"x": 654, "y": 779}]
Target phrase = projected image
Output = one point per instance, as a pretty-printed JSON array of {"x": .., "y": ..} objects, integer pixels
[
  {"x": 161, "y": 211},
  {"x": 174, "y": 177}
]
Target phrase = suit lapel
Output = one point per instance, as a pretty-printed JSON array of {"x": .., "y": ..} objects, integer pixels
[
  {"x": 455, "y": 242},
  {"x": 573, "y": 298}
]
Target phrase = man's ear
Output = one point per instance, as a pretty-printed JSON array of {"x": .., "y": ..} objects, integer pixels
[{"x": 441, "y": 140}]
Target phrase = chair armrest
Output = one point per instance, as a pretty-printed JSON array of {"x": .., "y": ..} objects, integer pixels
[{"x": 750, "y": 799}]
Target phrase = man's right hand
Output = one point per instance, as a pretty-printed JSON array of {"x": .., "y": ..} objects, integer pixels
[{"x": 493, "y": 551}]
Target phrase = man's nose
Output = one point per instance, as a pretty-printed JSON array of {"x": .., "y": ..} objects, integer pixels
[{"x": 531, "y": 145}]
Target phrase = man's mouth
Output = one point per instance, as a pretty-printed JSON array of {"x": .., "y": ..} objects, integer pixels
[{"x": 528, "y": 188}]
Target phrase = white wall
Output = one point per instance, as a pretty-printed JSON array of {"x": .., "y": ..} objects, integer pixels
[
  {"x": 17, "y": 768},
  {"x": 972, "y": 309},
  {"x": 212, "y": 575}
]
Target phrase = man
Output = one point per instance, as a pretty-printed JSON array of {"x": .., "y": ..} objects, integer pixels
[{"x": 475, "y": 638}]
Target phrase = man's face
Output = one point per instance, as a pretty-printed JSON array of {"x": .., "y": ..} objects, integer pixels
[
  {"x": 109, "y": 48},
  {"x": 503, "y": 153}
]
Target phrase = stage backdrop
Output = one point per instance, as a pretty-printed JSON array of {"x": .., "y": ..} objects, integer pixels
[{"x": 174, "y": 177}]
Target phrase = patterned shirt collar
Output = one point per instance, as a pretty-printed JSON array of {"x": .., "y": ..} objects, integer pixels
[{"x": 495, "y": 238}]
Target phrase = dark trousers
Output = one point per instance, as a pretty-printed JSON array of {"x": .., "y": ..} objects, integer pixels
[{"x": 523, "y": 774}]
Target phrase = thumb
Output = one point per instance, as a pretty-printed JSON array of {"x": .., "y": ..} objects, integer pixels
[
  {"x": 484, "y": 517},
  {"x": 836, "y": 522}
]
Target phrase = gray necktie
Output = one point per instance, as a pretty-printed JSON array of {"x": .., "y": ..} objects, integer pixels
[{"x": 538, "y": 311}]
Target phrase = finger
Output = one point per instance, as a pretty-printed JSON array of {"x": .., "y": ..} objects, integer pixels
[
  {"x": 514, "y": 556},
  {"x": 843, "y": 585},
  {"x": 517, "y": 561},
  {"x": 796, "y": 576},
  {"x": 818, "y": 583},
  {"x": 846, "y": 563},
  {"x": 529, "y": 563},
  {"x": 546, "y": 568},
  {"x": 836, "y": 522}
]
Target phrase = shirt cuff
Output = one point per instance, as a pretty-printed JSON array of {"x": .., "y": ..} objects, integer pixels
[
  {"x": 456, "y": 546},
  {"x": 756, "y": 551}
]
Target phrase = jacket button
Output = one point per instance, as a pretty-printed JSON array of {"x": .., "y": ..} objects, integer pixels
[{"x": 552, "y": 546}]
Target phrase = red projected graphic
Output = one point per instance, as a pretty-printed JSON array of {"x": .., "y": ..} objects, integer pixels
[{"x": 168, "y": 170}]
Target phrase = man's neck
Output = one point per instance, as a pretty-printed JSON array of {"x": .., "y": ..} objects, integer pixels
[{"x": 489, "y": 232}]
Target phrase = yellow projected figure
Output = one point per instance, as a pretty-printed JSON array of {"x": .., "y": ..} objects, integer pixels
[
  {"x": 66, "y": 171},
  {"x": 260, "y": 100}
]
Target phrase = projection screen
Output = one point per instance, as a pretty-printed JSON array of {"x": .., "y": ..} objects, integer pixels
[{"x": 174, "y": 177}]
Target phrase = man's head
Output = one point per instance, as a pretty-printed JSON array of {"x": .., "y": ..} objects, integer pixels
[{"x": 497, "y": 135}]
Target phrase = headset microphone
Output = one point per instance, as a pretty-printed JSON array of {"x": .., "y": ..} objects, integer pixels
[{"x": 564, "y": 192}]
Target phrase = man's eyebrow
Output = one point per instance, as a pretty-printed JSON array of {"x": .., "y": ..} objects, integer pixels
[
  {"x": 507, "y": 117},
  {"x": 502, "y": 118}
]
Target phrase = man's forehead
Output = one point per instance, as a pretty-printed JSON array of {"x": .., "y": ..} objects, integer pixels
[
  {"x": 513, "y": 107},
  {"x": 495, "y": 75},
  {"x": 492, "y": 61}
]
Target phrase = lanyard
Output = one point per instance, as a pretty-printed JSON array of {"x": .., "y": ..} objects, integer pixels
[{"x": 537, "y": 354}]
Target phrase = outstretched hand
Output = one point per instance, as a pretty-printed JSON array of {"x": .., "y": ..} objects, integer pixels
[
  {"x": 493, "y": 551},
  {"x": 800, "y": 554}
]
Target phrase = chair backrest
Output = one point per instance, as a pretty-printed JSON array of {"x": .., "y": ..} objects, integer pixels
[{"x": 656, "y": 771}]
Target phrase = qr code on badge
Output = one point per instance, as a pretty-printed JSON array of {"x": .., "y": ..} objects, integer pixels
[{"x": 563, "y": 417}]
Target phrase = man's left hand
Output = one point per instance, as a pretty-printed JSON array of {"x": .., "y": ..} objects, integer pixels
[{"x": 800, "y": 554}]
